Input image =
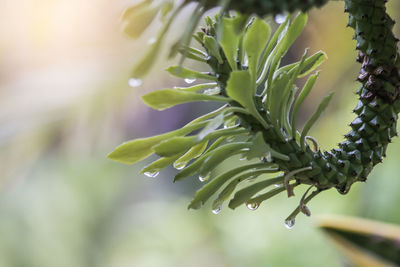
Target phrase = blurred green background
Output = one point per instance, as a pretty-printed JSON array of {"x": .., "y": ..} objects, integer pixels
[{"x": 65, "y": 103}]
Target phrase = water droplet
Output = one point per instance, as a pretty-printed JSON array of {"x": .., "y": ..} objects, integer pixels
[
  {"x": 269, "y": 157},
  {"x": 212, "y": 91},
  {"x": 151, "y": 174},
  {"x": 180, "y": 165},
  {"x": 189, "y": 81},
  {"x": 243, "y": 157},
  {"x": 306, "y": 211},
  {"x": 151, "y": 41},
  {"x": 204, "y": 178},
  {"x": 217, "y": 209},
  {"x": 280, "y": 18},
  {"x": 290, "y": 223},
  {"x": 344, "y": 189},
  {"x": 231, "y": 123},
  {"x": 133, "y": 82},
  {"x": 252, "y": 205}
]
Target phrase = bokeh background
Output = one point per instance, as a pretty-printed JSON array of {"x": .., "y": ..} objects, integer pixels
[{"x": 65, "y": 103}]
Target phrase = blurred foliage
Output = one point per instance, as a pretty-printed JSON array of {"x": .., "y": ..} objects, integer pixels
[
  {"x": 365, "y": 243},
  {"x": 65, "y": 102}
]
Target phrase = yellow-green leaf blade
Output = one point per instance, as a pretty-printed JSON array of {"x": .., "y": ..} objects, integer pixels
[
  {"x": 229, "y": 41},
  {"x": 138, "y": 149},
  {"x": 185, "y": 73},
  {"x": 255, "y": 41},
  {"x": 166, "y": 98},
  {"x": 322, "y": 106},
  {"x": 300, "y": 99},
  {"x": 193, "y": 153},
  {"x": 239, "y": 88},
  {"x": 137, "y": 18}
]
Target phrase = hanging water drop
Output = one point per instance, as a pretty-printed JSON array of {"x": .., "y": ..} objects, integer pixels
[
  {"x": 217, "y": 209},
  {"x": 269, "y": 157},
  {"x": 204, "y": 178},
  {"x": 280, "y": 18},
  {"x": 151, "y": 174},
  {"x": 252, "y": 205},
  {"x": 133, "y": 82},
  {"x": 289, "y": 223},
  {"x": 180, "y": 165},
  {"x": 243, "y": 157},
  {"x": 229, "y": 124},
  {"x": 304, "y": 209},
  {"x": 189, "y": 81}
]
